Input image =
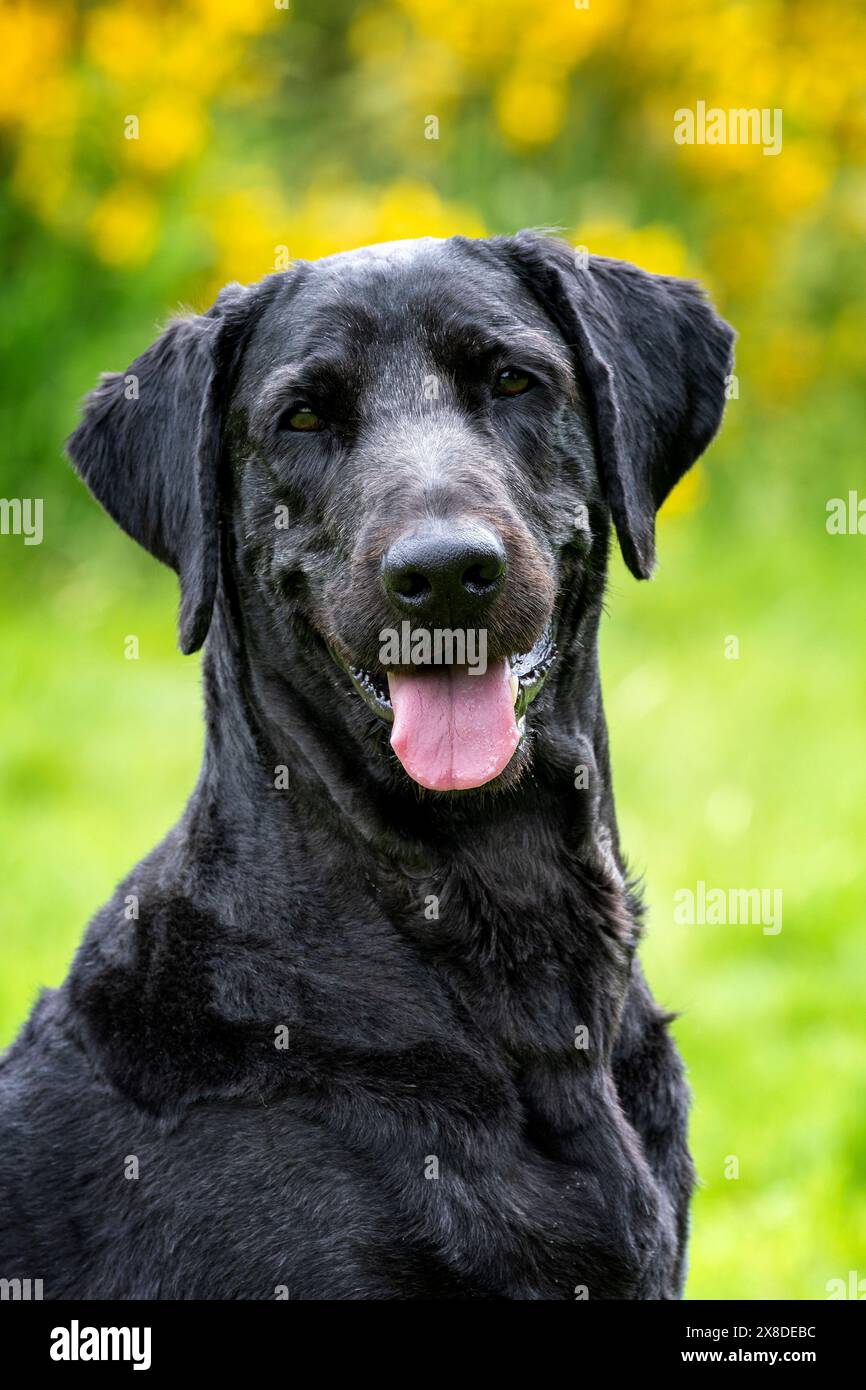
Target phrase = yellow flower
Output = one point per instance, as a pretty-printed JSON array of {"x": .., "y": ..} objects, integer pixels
[
  {"x": 530, "y": 108},
  {"x": 238, "y": 16},
  {"x": 171, "y": 129},
  {"x": 44, "y": 169},
  {"x": 33, "y": 43},
  {"x": 126, "y": 41},
  {"x": 123, "y": 226},
  {"x": 249, "y": 227},
  {"x": 199, "y": 62},
  {"x": 256, "y": 233},
  {"x": 551, "y": 36},
  {"x": 799, "y": 178},
  {"x": 410, "y": 208},
  {"x": 198, "y": 46},
  {"x": 740, "y": 254},
  {"x": 335, "y": 215},
  {"x": 653, "y": 247},
  {"x": 480, "y": 34}
]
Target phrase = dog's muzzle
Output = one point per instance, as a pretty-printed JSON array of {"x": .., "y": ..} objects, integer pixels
[{"x": 456, "y": 726}]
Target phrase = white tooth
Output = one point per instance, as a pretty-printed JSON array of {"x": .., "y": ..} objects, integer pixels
[
  {"x": 521, "y": 725},
  {"x": 515, "y": 688}
]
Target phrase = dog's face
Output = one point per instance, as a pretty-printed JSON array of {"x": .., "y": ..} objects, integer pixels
[
  {"x": 415, "y": 450},
  {"x": 408, "y": 461}
]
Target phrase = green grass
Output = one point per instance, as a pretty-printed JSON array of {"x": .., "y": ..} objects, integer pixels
[
  {"x": 744, "y": 773},
  {"x": 748, "y": 773}
]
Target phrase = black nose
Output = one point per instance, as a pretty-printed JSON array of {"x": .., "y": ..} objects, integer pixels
[{"x": 445, "y": 572}]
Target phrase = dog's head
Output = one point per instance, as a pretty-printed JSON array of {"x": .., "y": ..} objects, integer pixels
[{"x": 399, "y": 465}]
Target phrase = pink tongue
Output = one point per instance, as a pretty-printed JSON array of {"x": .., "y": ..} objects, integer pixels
[{"x": 453, "y": 730}]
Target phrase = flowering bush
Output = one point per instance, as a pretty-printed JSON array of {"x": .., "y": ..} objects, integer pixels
[{"x": 202, "y": 141}]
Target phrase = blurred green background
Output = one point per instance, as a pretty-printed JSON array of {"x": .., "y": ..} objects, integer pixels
[{"x": 265, "y": 134}]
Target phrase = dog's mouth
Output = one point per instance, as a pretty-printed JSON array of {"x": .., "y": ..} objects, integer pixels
[{"x": 456, "y": 727}]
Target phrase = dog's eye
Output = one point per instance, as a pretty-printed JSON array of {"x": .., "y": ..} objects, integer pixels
[
  {"x": 512, "y": 382},
  {"x": 300, "y": 417}
]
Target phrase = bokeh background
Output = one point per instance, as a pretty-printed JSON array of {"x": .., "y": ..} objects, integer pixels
[{"x": 269, "y": 133}]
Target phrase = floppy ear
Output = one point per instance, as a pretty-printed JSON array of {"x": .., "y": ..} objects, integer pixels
[
  {"x": 148, "y": 447},
  {"x": 655, "y": 357}
]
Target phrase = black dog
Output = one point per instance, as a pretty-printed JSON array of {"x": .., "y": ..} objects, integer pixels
[{"x": 339, "y": 1036}]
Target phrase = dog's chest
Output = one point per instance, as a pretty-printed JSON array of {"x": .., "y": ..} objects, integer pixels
[
  {"x": 402, "y": 1099},
  {"x": 475, "y": 1134}
]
